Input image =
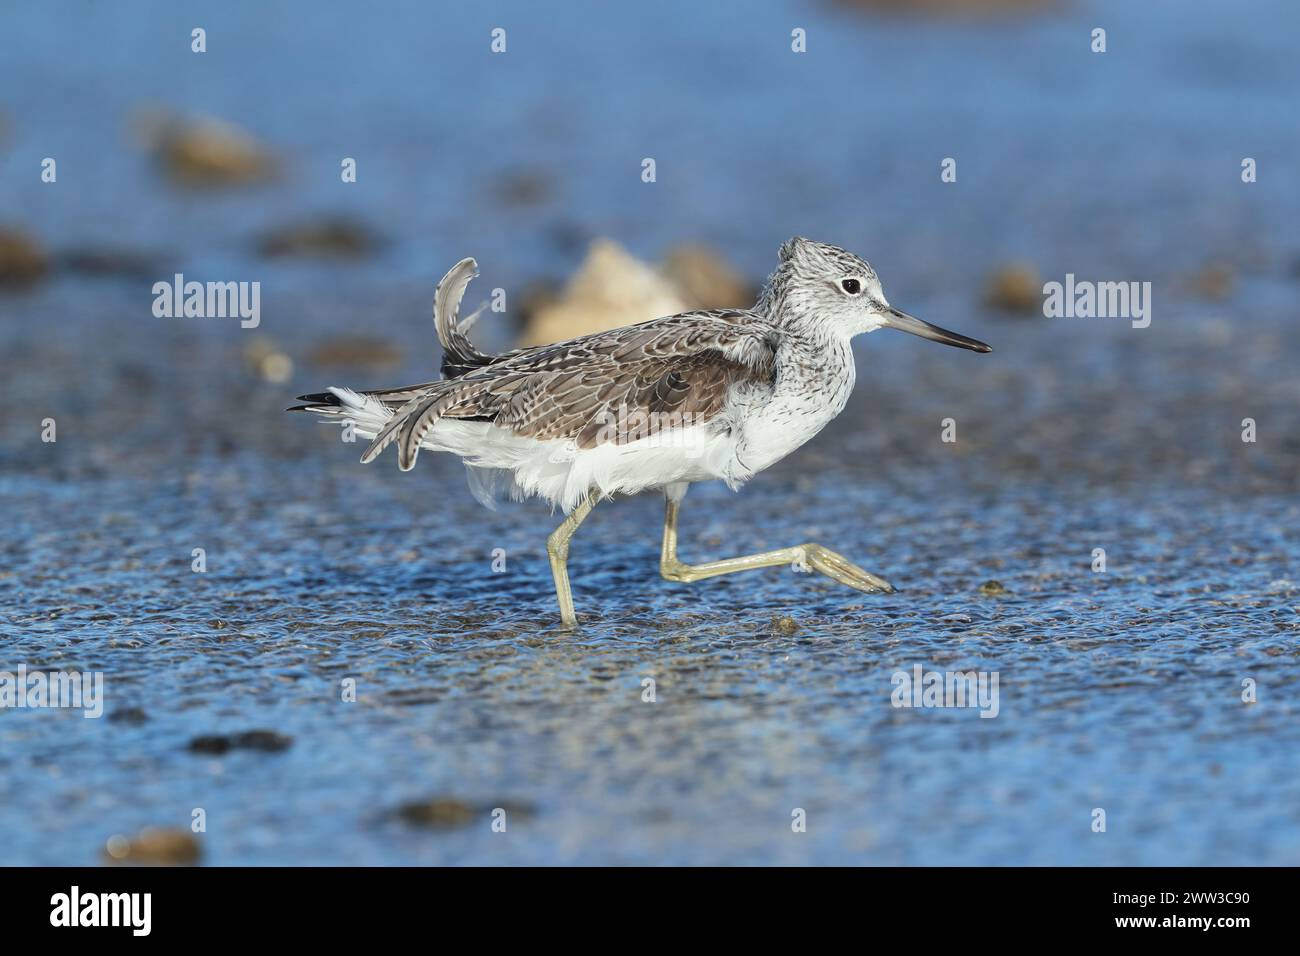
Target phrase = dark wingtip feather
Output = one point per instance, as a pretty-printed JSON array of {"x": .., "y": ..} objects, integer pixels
[{"x": 321, "y": 398}]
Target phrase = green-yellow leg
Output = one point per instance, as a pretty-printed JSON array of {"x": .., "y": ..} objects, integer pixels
[
  {"x": 557, "y": 548},
  {"x": 805, "y": 557}
]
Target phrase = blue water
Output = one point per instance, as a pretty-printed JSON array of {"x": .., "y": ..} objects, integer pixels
[{"x": 1118, "y": 690}]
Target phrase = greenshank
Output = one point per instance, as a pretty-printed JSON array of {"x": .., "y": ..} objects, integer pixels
[{"x": 700, "y": 396}]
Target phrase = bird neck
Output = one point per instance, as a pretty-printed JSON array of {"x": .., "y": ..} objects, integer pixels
[
  {"x": 815, "y": 329},
  {"x": 782, "y": 305},
  {"x": 808, "y": 354}
]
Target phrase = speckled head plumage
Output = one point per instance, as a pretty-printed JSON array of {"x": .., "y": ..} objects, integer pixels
[{"x": 829, "y": 291}]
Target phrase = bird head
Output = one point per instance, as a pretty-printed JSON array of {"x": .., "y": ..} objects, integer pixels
[{"x": 831, "y": 286}]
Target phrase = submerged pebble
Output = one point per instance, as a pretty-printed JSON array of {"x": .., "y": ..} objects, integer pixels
[
  {"x": 785, "y": 624},
  {"x": 449, "y": 813},
  {"x": 267, "y": 741},
  {"x": 335, "y": 237},
  {"x": 107, "y": 261},
  {"x": 356, "y": 350}
]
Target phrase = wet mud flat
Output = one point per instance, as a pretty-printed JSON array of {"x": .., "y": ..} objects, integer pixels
[{"x": 773, "y": 690}]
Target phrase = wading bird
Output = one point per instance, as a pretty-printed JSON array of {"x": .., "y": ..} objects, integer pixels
[{"x": 719, "y": 394}]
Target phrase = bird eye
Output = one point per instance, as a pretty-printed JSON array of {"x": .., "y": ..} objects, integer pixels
[{"x": 851, "y": 286}]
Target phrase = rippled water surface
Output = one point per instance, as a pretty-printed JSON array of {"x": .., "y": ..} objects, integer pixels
[{"x": 1119, "y": 690}]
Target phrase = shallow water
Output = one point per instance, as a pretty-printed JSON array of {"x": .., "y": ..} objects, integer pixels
[{"x": 1118, "y": 690}]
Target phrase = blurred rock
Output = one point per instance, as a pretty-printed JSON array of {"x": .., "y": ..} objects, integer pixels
[
  {"x": 526, "y": 187},
  {"x": 610, "y": 289},
  {"x": 1015, "y": 287},
  {"x": 204, "y": 151},
  {"x": 104, "y": 261},
  {"x": 953, "y": 8},
  {"x": 128, "y": 715},
  {"x": 569, "y": 237},
  {"x": 706, "y": 280},
  {"x": 267, "y": 741},
  {"x": 440, "y": 813},
  {"x": 156, "y": 847},
  {"x": 449, "y": 813},
  {"x": 22, "y": 260},
  {"x": 1214, "y": 281},
  {"x": 357, "y": 351},
  {"x": 264, "y": 358},
  {"x": 338, "y": 238}
]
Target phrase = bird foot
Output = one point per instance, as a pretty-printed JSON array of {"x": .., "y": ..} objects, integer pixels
[{"x": 841, "y": 569}]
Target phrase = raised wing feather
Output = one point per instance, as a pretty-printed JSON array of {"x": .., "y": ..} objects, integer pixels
[{"x": 459, "y": 355}]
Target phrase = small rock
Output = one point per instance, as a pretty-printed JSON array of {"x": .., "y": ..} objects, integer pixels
[
  {"x": 210, "y": 744},
  {"x": 267, "y": 741},
  {"x": 338, "y": 238},
  {"x": 128, "y": 715},
  {"x": 448, "y": 813},
  {"x": 785, "y": 624},
  {"x": 204, "y": 151},
  {"x": 527, "y": 187},
  {"x": 1214, "y": 281},
  {"x": 441, "y": 813},
  {"x": 1015, "y": 287},
  {"x": 706, "y": 280},
  {"x": 356, "y": 350},
  {"x": 155, "y": 846},
  {"x": 610, "y": 289},
  {"x": 103, "y": 261},
  {"x": 993, "y": 589},
  {"x": 22, "y": 260}
]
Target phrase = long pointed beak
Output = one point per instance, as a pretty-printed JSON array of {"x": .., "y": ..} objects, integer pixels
[{"x": 895, "y": 319}]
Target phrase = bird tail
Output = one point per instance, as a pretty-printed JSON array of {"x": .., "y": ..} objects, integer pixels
[
  {"x": 340, "y": 406},
  {"x": 459, "y": 355},
  {"x": 410, "y": 412}
]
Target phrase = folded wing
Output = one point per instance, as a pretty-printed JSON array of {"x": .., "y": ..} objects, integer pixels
[{"x": 596, "y": 388}]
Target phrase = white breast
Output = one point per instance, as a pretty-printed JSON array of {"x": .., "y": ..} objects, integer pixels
[{"x": 812, "y": 387}]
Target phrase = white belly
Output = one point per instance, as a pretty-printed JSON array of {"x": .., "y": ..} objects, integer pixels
[{"x": 758, "y": 427}]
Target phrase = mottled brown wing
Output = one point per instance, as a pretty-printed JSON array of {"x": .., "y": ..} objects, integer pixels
[
  {"x": 618, "y": 385},
  {"x": 604, "y": 387}
]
